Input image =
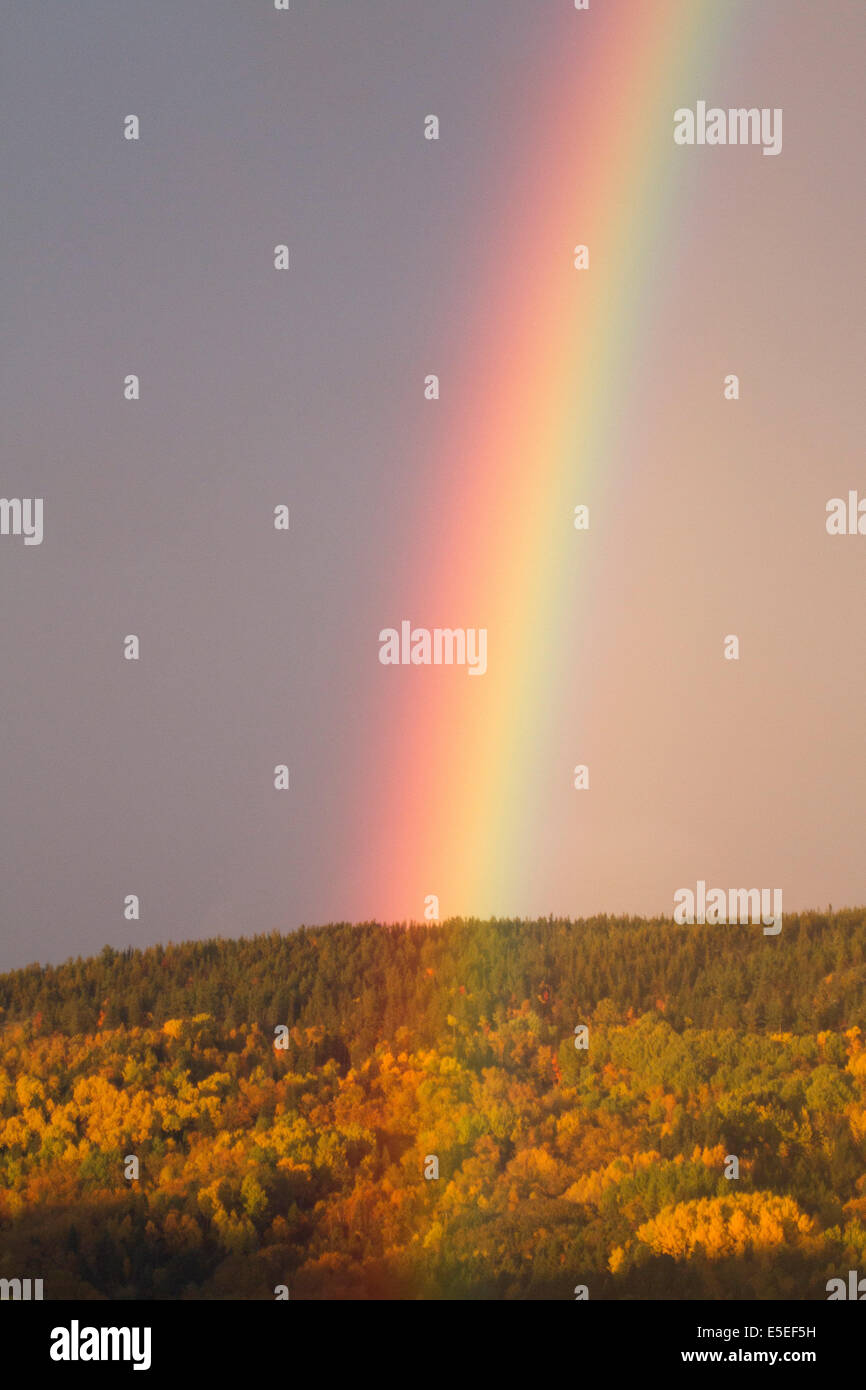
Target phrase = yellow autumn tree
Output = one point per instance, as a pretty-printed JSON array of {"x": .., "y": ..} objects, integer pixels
[{"x": 718, "y": 1227}]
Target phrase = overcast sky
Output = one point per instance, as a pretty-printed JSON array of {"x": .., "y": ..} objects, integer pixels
[{"x": 156, "y": 777}]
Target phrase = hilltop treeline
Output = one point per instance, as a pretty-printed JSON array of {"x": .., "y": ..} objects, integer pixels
[
  {"x": 431, "y": 1124},
  {"x": 360, "y": 983}
]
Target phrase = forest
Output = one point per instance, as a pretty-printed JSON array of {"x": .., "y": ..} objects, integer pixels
[{"x": 471, "y": 1110}]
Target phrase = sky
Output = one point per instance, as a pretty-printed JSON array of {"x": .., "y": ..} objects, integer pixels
[{"x": 305, "y": 387}]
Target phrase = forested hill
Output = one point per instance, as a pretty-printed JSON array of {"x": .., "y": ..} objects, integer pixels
[
  {"x": 368, "y": 1112},
  {"x": 360, "y": 983}
]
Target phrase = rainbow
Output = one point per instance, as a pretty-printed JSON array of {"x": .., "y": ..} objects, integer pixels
[{"x": 550, "y": 375}]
